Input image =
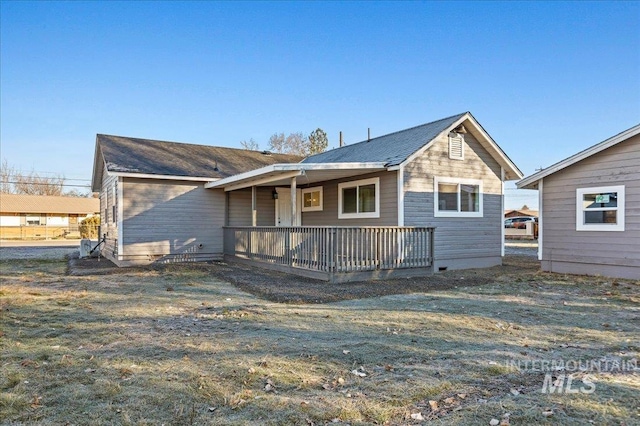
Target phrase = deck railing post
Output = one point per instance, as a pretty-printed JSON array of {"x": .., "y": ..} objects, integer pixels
[{"x": 431, "y": 248}]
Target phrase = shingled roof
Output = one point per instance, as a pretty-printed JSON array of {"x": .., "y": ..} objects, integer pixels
[
  {"x": 124, "y": 155},
  {"x": 391, "y": 149},
  {"x": 20, "y": 203}
]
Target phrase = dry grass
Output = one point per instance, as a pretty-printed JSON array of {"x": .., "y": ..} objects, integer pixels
[{"x": 178, "y": 346}]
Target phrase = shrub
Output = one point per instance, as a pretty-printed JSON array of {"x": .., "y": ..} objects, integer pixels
[{"x": 89, "y": 227}]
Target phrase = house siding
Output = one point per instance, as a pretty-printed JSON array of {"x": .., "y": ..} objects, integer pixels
[
  {"x": 566, "y": 250},
  {"x": 240, "y": 207},
  {"x": 108, "y": 227},
  {"x": 329, "y": 214},
  {"x": 170, "y": 220},
  {"x": 460, "y": 242}
]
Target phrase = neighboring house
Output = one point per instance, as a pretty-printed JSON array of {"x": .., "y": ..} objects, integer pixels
[
  {"x": 43, "y": 216},
  {"x": 368, "y": 206},
  {"x": 590, "y": 209},
  {"x": 524, "y": 212}
]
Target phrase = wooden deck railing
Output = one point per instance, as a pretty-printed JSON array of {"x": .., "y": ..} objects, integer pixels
[{"x": 333, "y": 249}]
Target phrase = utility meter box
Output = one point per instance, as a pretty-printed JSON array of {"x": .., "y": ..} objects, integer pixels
[{"x": 85, "y": 247}]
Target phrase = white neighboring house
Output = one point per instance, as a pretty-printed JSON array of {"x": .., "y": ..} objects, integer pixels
[
  {"x": 590, "y": 209},
  {"x": 43, "y": 216}
]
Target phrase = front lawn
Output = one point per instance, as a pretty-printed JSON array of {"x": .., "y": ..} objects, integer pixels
[{"x": 178, "y": 346}]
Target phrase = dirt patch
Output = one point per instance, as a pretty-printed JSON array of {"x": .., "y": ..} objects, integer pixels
[{"x": 285, "y": 288}]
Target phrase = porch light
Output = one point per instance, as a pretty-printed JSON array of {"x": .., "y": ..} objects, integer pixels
[{"x": 274, "y": 194}]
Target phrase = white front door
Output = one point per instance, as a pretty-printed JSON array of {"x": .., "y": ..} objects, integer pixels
[{"x": 283, "y": 207}]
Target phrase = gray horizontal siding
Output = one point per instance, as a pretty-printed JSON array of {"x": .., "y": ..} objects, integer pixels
[
  {"x": 240, "y": 207},
  {"x": 107, "y": 226},
  {"x": 329, "y": 214},
  {"x": 171, "y": 218},
  {"x": 459, "y": 242},
  {"x": 566, "y": 250}
]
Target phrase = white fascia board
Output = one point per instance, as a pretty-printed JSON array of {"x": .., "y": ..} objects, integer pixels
[
  {"x": 530, "y": 181},
  {"x": 507, "y": 164},
  {"x": 262, "y": 174},
  {"x": 257, "y": 181},
  {"x": 163, "y": 177},
  {"x": 242, "y": 176}
]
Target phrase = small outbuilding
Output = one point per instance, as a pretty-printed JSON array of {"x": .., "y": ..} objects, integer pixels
[{"x": 589, "y": 209}]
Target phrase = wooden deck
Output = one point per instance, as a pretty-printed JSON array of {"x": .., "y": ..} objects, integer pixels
[{"x": 334, "y": 253}]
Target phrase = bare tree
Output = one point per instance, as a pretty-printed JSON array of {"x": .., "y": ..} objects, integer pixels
[
  {"x": 6, "y": 174},
  {"x": 276, "y": 143},
  {"x": 15, "y": 182},
  {"x": 295, "y": 144},
  {"x": 250, "y": 145}
]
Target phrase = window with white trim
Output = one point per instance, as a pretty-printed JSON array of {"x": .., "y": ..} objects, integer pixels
[
  {"x": 359, "y": 199},
  {"x": 312, "y": 199},
  {"x": 600, "y": 208},
  {"x": 456, "y": 197},
  {"x": 456, "y": 146}
]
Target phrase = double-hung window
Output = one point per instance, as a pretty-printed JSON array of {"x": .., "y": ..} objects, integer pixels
[
  {"x": 600, "y": 208},
  {"x": 455, "y": 197},
  {"x": 312, "y": 199},
  {"x": 359, "y": 199}
]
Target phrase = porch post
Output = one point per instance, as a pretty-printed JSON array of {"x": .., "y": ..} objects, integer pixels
[
  {"x": 254, "y": 208},
  {"x": 294, "y": 203}
]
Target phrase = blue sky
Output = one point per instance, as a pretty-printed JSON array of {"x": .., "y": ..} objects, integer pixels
[{"x": 545, "y": 79}]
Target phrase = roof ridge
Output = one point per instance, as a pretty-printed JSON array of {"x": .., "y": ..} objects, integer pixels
[{"x": 396, "y": 132}]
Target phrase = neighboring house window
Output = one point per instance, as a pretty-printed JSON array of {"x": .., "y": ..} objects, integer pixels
[
  {"x": 456, "y": 146},
  {"x": 600, "y": 208},
  {"x": 312, "y": 199},
  {"x": 33, "y": 220},
  {"x": 455, "y": 197},
  {"x": 359, "y": 199}
]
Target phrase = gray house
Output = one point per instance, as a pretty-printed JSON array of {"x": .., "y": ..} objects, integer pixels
[
  {"x": 590, "y": 209},
  {"x": 421, "y": 199}
]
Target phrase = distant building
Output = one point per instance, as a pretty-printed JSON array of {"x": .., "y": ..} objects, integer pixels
[
  {"x": 522, "y": 212},
  {"x": 41, "y": 216}
]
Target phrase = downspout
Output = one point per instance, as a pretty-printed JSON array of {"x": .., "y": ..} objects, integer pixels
[
  {"x": 540, "y": 218},
  {"x": 400, "y": 180},
  {"x": 119, "y": 221},
  {"x": 502, "y": 209}
]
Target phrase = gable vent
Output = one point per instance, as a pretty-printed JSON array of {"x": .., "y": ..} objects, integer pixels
[{"x": 456, "y": 146}]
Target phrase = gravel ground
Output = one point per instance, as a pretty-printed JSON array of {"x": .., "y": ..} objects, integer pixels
[{"x": 521, "y": 249}]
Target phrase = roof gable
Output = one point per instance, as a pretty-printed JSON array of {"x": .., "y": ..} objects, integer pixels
[
  {"x": 399, "y": 148},
  {"x": 531, "y": 182},
  {"x": 152, "y": 158},
  {"x": 391, "y": 149}
]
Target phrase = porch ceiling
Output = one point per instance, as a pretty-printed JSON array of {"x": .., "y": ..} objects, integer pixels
[{"x": 306, "y": 174}]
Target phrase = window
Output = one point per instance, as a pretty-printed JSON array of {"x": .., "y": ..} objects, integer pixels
[
  {"x": 312, "y": 199},
  {"x": 455, "y": 197},
  {"x": 359, "y": 199},
  {"x": 33, "y": 220},
  {"x": 600, "y": 208},
  {"x": 456, "y": 146}
]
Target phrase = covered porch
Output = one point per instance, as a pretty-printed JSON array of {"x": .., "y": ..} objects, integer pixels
[{"x": 291, "y": 227}]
